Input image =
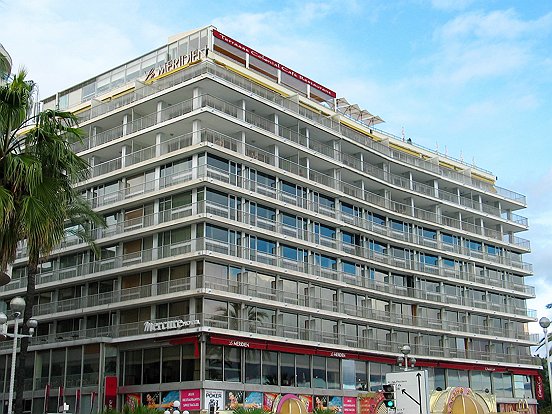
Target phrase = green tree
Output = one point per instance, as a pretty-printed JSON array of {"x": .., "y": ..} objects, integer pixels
[{"x": 37, "y": 199}]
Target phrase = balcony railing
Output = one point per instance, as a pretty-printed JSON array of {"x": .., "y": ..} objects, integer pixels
[
  {"x": 301, "y": 110},
  {"x": 238, "y": 146},
  {"x": 149, "y": 256},
  {"x": 265, "y": 327},
  {"x": 269, "y": 126},
  {"x": 302, "y": 235}
]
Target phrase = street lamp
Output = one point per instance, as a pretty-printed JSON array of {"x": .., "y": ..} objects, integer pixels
[
  {"x": 17, "y": 306},
  {"x": 404, "y": 360},
  {"x": 544, "y": 322}
]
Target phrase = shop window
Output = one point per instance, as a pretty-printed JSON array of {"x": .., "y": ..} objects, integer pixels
[
  {"x": 287, "y": 370},
  {"x": 213, "y": 363},
  {"x": 252, "y": 366},
  {"x": 151, "y": 366},
  {"x": 319, "y": 372},
  {"x": 269, "y": 368}
]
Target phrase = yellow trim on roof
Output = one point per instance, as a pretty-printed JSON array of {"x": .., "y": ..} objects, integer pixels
[
  {"x": 345, "y": 121},
  {"x": 123, "y": 92},
  {"x": 482, "y": 178},
  {"x": 407, "y": 150},
  {"x": 450, "y": 166},
  {"x": 87, "y": 107}
]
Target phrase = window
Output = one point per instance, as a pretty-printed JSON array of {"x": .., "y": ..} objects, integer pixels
[
  {"x": 449, "y": 239},
  {"x": 287, "y": 370},
  {"x": 232, "y": 364},
  {"x": 318, "y": 372},
  {"x": 377, "y": 219},
  {"x": 151, "y": 366},
  {"x": 133, "y": 367},
  {"x": 348, "y": 268},
  {"x": 213, "y": 363},
  {"x": 170, "y": 367},
  {"x": 252, "y": 366},
  {"x": 270, "y": 368}
]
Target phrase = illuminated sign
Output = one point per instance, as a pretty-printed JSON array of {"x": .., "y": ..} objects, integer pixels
[
  {"x": 168, "y": 325},
  {"x": 273, "y": 63},
  {"x": 174, "y": 64}
]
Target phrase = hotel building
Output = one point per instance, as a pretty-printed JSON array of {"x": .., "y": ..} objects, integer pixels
[{"x": 265, "y": 239}]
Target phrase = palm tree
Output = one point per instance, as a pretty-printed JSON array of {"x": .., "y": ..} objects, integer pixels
[{"x": 37, "y": 171}]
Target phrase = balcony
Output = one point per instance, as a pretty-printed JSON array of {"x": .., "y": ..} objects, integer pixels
[{"x": 240, "y": 147}]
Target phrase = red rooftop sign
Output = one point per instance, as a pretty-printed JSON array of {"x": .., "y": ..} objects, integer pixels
[{"x": 273, "y": 63}]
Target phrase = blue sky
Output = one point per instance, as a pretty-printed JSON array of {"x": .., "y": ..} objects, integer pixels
[{"x": 472, "y": 78}]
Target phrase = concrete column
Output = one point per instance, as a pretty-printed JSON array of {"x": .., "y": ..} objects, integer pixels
[
  {"x": 160, "y": 116},
  {"x": 276, "y": 124},
  {"x": 197, "y": 98},
  {"x": 125, "y": 151},
  {"x": 126, "y": 120},
  {"x": 196, "y": 131}
]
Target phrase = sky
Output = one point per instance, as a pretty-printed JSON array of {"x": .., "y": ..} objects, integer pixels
[{"x": 472, "y": 79}]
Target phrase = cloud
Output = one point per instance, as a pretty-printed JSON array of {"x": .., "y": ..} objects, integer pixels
[
  {"x": 499, "y": 24},
  {"x": 451, "y": 5}
]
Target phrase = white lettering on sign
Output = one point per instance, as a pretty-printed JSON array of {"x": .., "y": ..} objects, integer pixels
[
  {"x": 239, "y": 343},
  {"x": 168, "y": 325},
  {"x": 338, "y": 354},
  {"x": 173, "y": 64}
]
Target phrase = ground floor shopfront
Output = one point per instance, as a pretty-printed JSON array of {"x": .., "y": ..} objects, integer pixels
[{"x": 215, "y": 372}]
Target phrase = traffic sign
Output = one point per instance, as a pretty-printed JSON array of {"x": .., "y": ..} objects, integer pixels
[{"x": 411, "y": 391}]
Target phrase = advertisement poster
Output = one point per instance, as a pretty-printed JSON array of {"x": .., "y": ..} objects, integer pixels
[
  {"x": 133, "y": 400},
  {"x": 307, "y": 400},
  {"x": 349, "y": 405},
  {"x": 369, "y": 401},
  {"x": 110, "y": 399},
  {"x": 214, "y": 400},
  {"x": 320, "y": 402},
  {"x": 190, "y": 400},
  {"x": 253, "y": 399},
  {"x": 150, "y": 399},
  {"x": 335, "y": 404},
  {"x": 268, "y": 400},
  {"x": 234, "y": 399},
  {"x": 168, "y": 398}
]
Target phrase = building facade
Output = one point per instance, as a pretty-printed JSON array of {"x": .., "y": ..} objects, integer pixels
[{"x": 266, "y": 240}]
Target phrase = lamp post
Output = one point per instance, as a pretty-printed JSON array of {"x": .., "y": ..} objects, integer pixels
[
  {"x": 404, "y": 360},
  {"x": 544, "y": 322},
  {"x": 17, "y": 306}
]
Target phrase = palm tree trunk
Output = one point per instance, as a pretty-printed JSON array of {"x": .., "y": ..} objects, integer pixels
[{"x": 32, "y": 270}]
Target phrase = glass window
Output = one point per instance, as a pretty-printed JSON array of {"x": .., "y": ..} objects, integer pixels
[
  {"x": 190, "y": 362},
  {"x": 361, "y": 369},
  {"x": 287, "y": 370},
  {"x": 151, "y": 366},
  {"x": 457, "y": 378},
  {"x": 252, "y": 366},
  {"x": 133, "y": 367},
  {"x": 216, "y": 233},
  {"x": 170, "y": 368},
  {"x": 213, "y": 363},
  {"x": 480, "y": 380},
  {"x": 377, "y": 219},
  {"x": 232, "y": 364},
  {"x": 270, "y": 368},
  {"x": 318, "y": 372},
  {"x": 349, "y": 268},
  {"x": 333, "y": 372},
  {"x": 303, "y": 370},
  {"x": 349, "y": 374}
]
